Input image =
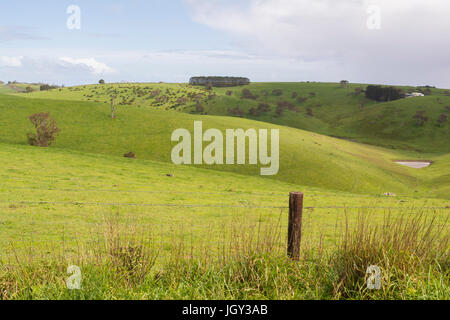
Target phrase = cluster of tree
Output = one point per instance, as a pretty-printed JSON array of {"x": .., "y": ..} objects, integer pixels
[
  {"x": 382, "y": 94},
  {"x": 219, "y": 81},
  {"x": 45, "y": 87}
]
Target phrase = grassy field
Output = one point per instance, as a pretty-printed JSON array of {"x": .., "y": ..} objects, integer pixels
[
  {"x": 66, "y": 207},
  {"x": 147, "y": 229}
]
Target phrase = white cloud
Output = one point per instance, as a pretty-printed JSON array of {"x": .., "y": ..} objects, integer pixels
[
  {"x": 10, "y": 61},
  {"x": 411, "y": 45},
  {"x": 91, "y": 64}
]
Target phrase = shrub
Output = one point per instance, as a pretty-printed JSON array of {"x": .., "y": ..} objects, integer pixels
[
  {"x": 294, "y": 95},
  {"x": 420, "y": 118},
  {"x": 101, "y": 81},
  {"x": 46, "y": 130},
  {"x": 277, "y": 92},
  {"x": 236, "y": 112},
  {"x": 229, "y": 93},
  {"x": 247, "y": 94},
  {"x": 309, "y": 112},
  {"x": 130, "y": 155},
  {"x": 262, "y": 108},
  {"x": 442, "y": 119},
  {"x": 301, "y": 100},
  {"x": 286, "y": 105}
]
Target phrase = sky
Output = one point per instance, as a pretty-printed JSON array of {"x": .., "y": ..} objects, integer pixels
[{"x": 401, "y": 42}]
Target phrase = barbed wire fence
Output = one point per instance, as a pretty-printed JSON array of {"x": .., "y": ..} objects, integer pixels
[{"x": 191, "y": 224}]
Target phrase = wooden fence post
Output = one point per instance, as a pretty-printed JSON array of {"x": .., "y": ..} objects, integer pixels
[{"x": 295, "y": 224}]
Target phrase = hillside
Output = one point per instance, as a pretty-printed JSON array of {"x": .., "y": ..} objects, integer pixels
[
  {"x": 324, "y": 108},
  {"x": 306, "y": 158}
]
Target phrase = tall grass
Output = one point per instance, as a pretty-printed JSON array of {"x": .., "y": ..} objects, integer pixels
[{"x": 249, "y": 263}]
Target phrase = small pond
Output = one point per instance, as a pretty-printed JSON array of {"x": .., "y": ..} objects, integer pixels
[{"x": 415, "y": 164}]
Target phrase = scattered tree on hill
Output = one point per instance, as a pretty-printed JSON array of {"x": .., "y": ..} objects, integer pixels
[
  {"x": 262, "y": 108},
  {"x": 29, "y": 89},
  {"x": 46, "y": 130},
  {"x": 247, "y": 94},
  {"x": 442, "y": 119},
  {"x": 420, "y": 118},
  {"x": 382, "y": 94},
  {"x": 236, "y": 112},
  {"x": 277, "y": 92},
  {"x": 101, "y": 81},
  {"x": 301, "y": 99}
]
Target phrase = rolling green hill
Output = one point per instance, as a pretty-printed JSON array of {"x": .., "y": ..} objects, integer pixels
[
  {"x": 306, "y": 158},
  {"x": 324, "y": 108}
]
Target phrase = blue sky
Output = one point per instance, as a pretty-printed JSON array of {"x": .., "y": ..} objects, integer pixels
[{"x": 265, "y": 40}]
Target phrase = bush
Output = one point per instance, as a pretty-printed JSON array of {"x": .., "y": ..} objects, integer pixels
[
  {"x": 301, "y": 100},
  {"x": 101, "y": 81},
  {"x": 130, "y": 155},
  {"x": 247, "y": 94},
  {"x": 420, "y": 118},
  {"x": 236, "y": 112},
  {"x": 442, "y": 119},
  {"x": 277, "y": 92},
  {"x": 229, "y": 93},
  {"x": 46, "y": 130},
  {"x": 262, "y": 108}
]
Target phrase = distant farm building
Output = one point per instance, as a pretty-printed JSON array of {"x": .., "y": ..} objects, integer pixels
[
  {"x": 414, "y": 94},
  {"x": 219, "y": 81}
]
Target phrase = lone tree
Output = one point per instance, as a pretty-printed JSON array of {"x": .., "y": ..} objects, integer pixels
[
  {"x": 101, "y": 81},
  {"x": 344, "y": 83},
  {"x": 46, "y": 129}
]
